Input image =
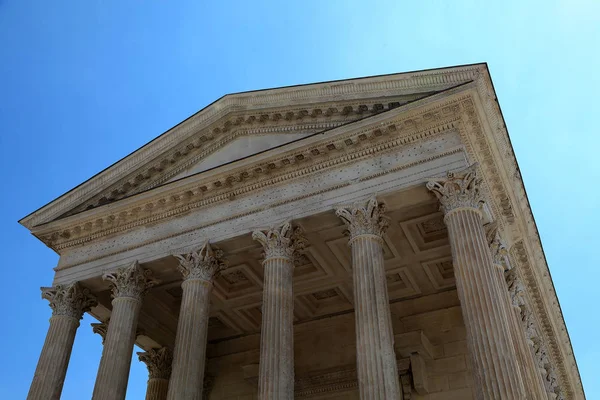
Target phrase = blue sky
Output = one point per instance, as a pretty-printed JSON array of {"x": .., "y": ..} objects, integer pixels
[{"x": 84, "y": 83}]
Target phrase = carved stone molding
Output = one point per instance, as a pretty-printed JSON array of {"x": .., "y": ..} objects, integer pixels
[
  {"x": 458, "y": 190},
  {"x": 158, "y": 362},
  {"x": 283, "y": 241},
  {"x": 203, "y": 263},
  {"x": 364, "y": 219},
  {"x": 410, "y": 128},
  {"x": 497, "y": 246},
  {"x": 69, "y": 300},
  {"x": 133, "y": 281},
  {"x": 100, "y": 328},
  {"x": 419, "y": 82}
]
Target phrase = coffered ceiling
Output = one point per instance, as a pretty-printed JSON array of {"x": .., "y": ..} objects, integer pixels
[{"x": 417, "y": 260}]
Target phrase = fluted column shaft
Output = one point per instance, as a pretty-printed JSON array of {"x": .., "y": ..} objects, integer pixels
[
  {"x": 276, "y": 369},
  {"x": 198, "y": 269},
  {"x": 113, "y": 373},
  {"x": 68, "y": 304},
  {"x": 157, "y": 389},
  {"x": 190, "y": 344},
  {"x": 376, "y": 358},
  {"x": 128, "y": 287},
  {"x": 493, "y": 353},
  {"x": 496, "y": 369},
  {"x": 52, "y": 366}
]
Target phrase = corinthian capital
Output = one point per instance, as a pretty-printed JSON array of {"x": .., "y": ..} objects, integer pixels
[
  {"x": 283, "y": 241},
  {"x": 202, "y": 264},
  {"x": 364, "y": 219},
  {"x": 69, "y": 300},
  {"x": 100, "y": 328},
  {"x": 132, "y": 281},
  {"x": 458, "y": 190},
  {"x": 158, "y": 362}
]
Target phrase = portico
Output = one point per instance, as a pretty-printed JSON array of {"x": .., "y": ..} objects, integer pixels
[{"x": 325, "y": 241}]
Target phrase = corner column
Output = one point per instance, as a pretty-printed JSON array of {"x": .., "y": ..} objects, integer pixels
[
  {"x": 496, "y": 369},
  {"x": 159, "y": 371},
  {"x": 198, "y": 269},
  {"x": 128, "y": 288},
  {"x": 534, "y": 386},
  {"x": 68, "y": 304},
  {"x": 376, "y": 358},
  {"x": 276, "y": 369}
]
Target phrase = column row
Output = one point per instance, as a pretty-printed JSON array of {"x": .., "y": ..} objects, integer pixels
[{"x": 502, "y": 362}]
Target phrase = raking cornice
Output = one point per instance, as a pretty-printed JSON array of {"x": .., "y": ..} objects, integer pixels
[{"x": 379, "y": 86}]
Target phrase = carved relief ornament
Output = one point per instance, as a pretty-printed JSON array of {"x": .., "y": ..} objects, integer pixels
[
  {"x": 100, "y": 328},
  {"x": 202, "y": 264},
  {"x": 69, "y": 300},
  {"x": 158, "y": 362},
  {"x": 132, "y": 281},
  {"x": 364, "y": 219},
  {"x": 458, "y": 190},
  {"x": 283, "y": 241}
]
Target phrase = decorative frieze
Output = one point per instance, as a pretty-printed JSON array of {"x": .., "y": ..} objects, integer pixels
[
  {"x": 384, "y": 137},
  {"x": 203, "y": 263},
  {"x": 132, "y": 281},
  {"x": 69, "y": 300}
]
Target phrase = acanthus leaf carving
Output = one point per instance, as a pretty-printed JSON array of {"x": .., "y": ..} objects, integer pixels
[
  {"x": 158, "y": 362},
  {"x": 284, "y": 241},
  {"x": 203, "y": 263},
  {"x": 366, "y": 219},
  {"x": 132, "y": 281},
  {"x": 100, "y": 328},
  {"x": 458, "y": 190},
  {"x": 71, "y": 300}
]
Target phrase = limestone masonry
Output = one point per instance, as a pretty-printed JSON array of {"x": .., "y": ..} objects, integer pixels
[{"x": 360, "y": 239}]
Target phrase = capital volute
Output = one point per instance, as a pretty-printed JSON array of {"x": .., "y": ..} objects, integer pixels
[
  {"x": 364, "y": 219},
  {"x": 458, "y": 190},
  {"x": 284, "y": 241},
  {"x": 202, "y": 264},
  {"x": 71, "y": 300},
  {"x": 132, "y": 281},
  {"x": 158, "y": 362}
]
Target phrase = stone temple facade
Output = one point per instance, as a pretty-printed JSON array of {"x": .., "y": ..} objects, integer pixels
[{"x": 359, "y": 239}]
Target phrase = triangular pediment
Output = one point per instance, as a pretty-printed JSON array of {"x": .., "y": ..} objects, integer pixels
[
  {"x": 242, "y": 125},
  {"x": 239, "y": 149}
]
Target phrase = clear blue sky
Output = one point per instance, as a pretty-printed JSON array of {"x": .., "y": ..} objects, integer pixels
[{"x": 84, "y": 83}]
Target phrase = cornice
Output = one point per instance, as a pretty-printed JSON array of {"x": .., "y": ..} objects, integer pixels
[
  {"x": 492, "y": 149},
  {"x": 345, "y": 145},
  {"x": 390, "y": 85}
]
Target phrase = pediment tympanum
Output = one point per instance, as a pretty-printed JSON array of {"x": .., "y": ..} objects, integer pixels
[
  {"x": 238, "y": 149},
  {"x": 289, "y": 112}
]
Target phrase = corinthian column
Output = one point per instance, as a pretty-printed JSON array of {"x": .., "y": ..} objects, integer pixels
[
  {"x": 68, "y": 304},
  {"x": 276, "y": 369},
  {"x": 198, "y": 269},
  {"x": 534, "y": 387},
  {"x": 128, "y": 288},
  {"x": 376, "y": 359},
  {"x": 496, "y": 369},
  {"x": 159, "y": 371}
]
